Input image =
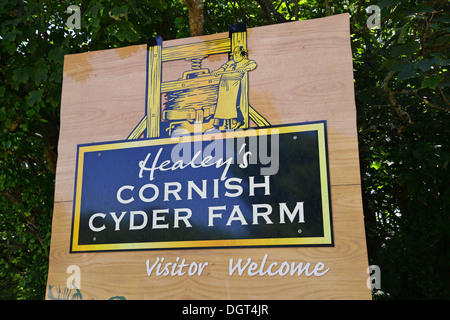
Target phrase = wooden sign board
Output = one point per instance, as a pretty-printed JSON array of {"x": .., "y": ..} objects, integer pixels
[{"x": 127, "y": 226}]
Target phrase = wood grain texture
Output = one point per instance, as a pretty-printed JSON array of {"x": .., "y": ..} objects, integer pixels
[
  {"x": 154, "y": 91},
  {"x": 304, "y": 74},
  {"x": 194, "y": 50}
]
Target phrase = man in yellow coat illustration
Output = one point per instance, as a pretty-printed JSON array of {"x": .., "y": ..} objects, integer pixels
[{"x": 228, "y": 114}]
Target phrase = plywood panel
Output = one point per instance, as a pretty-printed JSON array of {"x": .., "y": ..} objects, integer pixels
[
  {"x": 304, "y": 74},
  {"x": 100, "y": 271}
]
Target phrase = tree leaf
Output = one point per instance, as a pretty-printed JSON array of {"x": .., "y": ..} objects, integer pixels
[
  {"x": 406, "y": 70},
  {"x": 34, "y": 97},
  {"x": 121, "y": 35},
  {"x": 421, "y": 8},
  {"x": 425, "y": 64},
  {"x": 431, "y": 82},
  {"x": 40, "y": 72},
  {"x": 20, "y": 75},
  {"x": 56, "y": 55},
  {"x": 24, "y": 126},
  {"x": 443, "y": 84},
  {"x": 95, "y": 9},
  {"x": 402, "y": 49},
  {"x": 132, "y": 36}
]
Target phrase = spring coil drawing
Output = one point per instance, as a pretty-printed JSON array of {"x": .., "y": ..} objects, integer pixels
[{"x": 196, "y": 63}]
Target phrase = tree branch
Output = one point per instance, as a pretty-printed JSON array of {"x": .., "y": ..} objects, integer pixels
[
  {"x": 402, "y": 114},
  {"x": 416, "y": 94},
  {"x": 269, "y": 10},
  {"x": 51, "y": 159},
  {"x": 11, "y": 197},
  {"x": 431, "y": 104}
]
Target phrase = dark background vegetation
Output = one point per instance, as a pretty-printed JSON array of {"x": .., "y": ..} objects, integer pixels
[{"x": 401, "y": 92}]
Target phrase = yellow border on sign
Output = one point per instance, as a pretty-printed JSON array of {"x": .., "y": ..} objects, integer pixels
[{"x": 326, "y": 214}]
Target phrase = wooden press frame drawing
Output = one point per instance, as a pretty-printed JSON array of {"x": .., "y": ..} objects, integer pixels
[
  {"x": 304, "y": 74},
  {"x": 149, "y": 125}
]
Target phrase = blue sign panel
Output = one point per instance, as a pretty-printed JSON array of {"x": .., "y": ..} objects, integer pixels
[{"x": 238, "y": 188}]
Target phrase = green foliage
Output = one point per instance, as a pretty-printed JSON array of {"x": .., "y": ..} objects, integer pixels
[
  {"x": 401, "y": 92},
  {"x": 402, "y": 96}
]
